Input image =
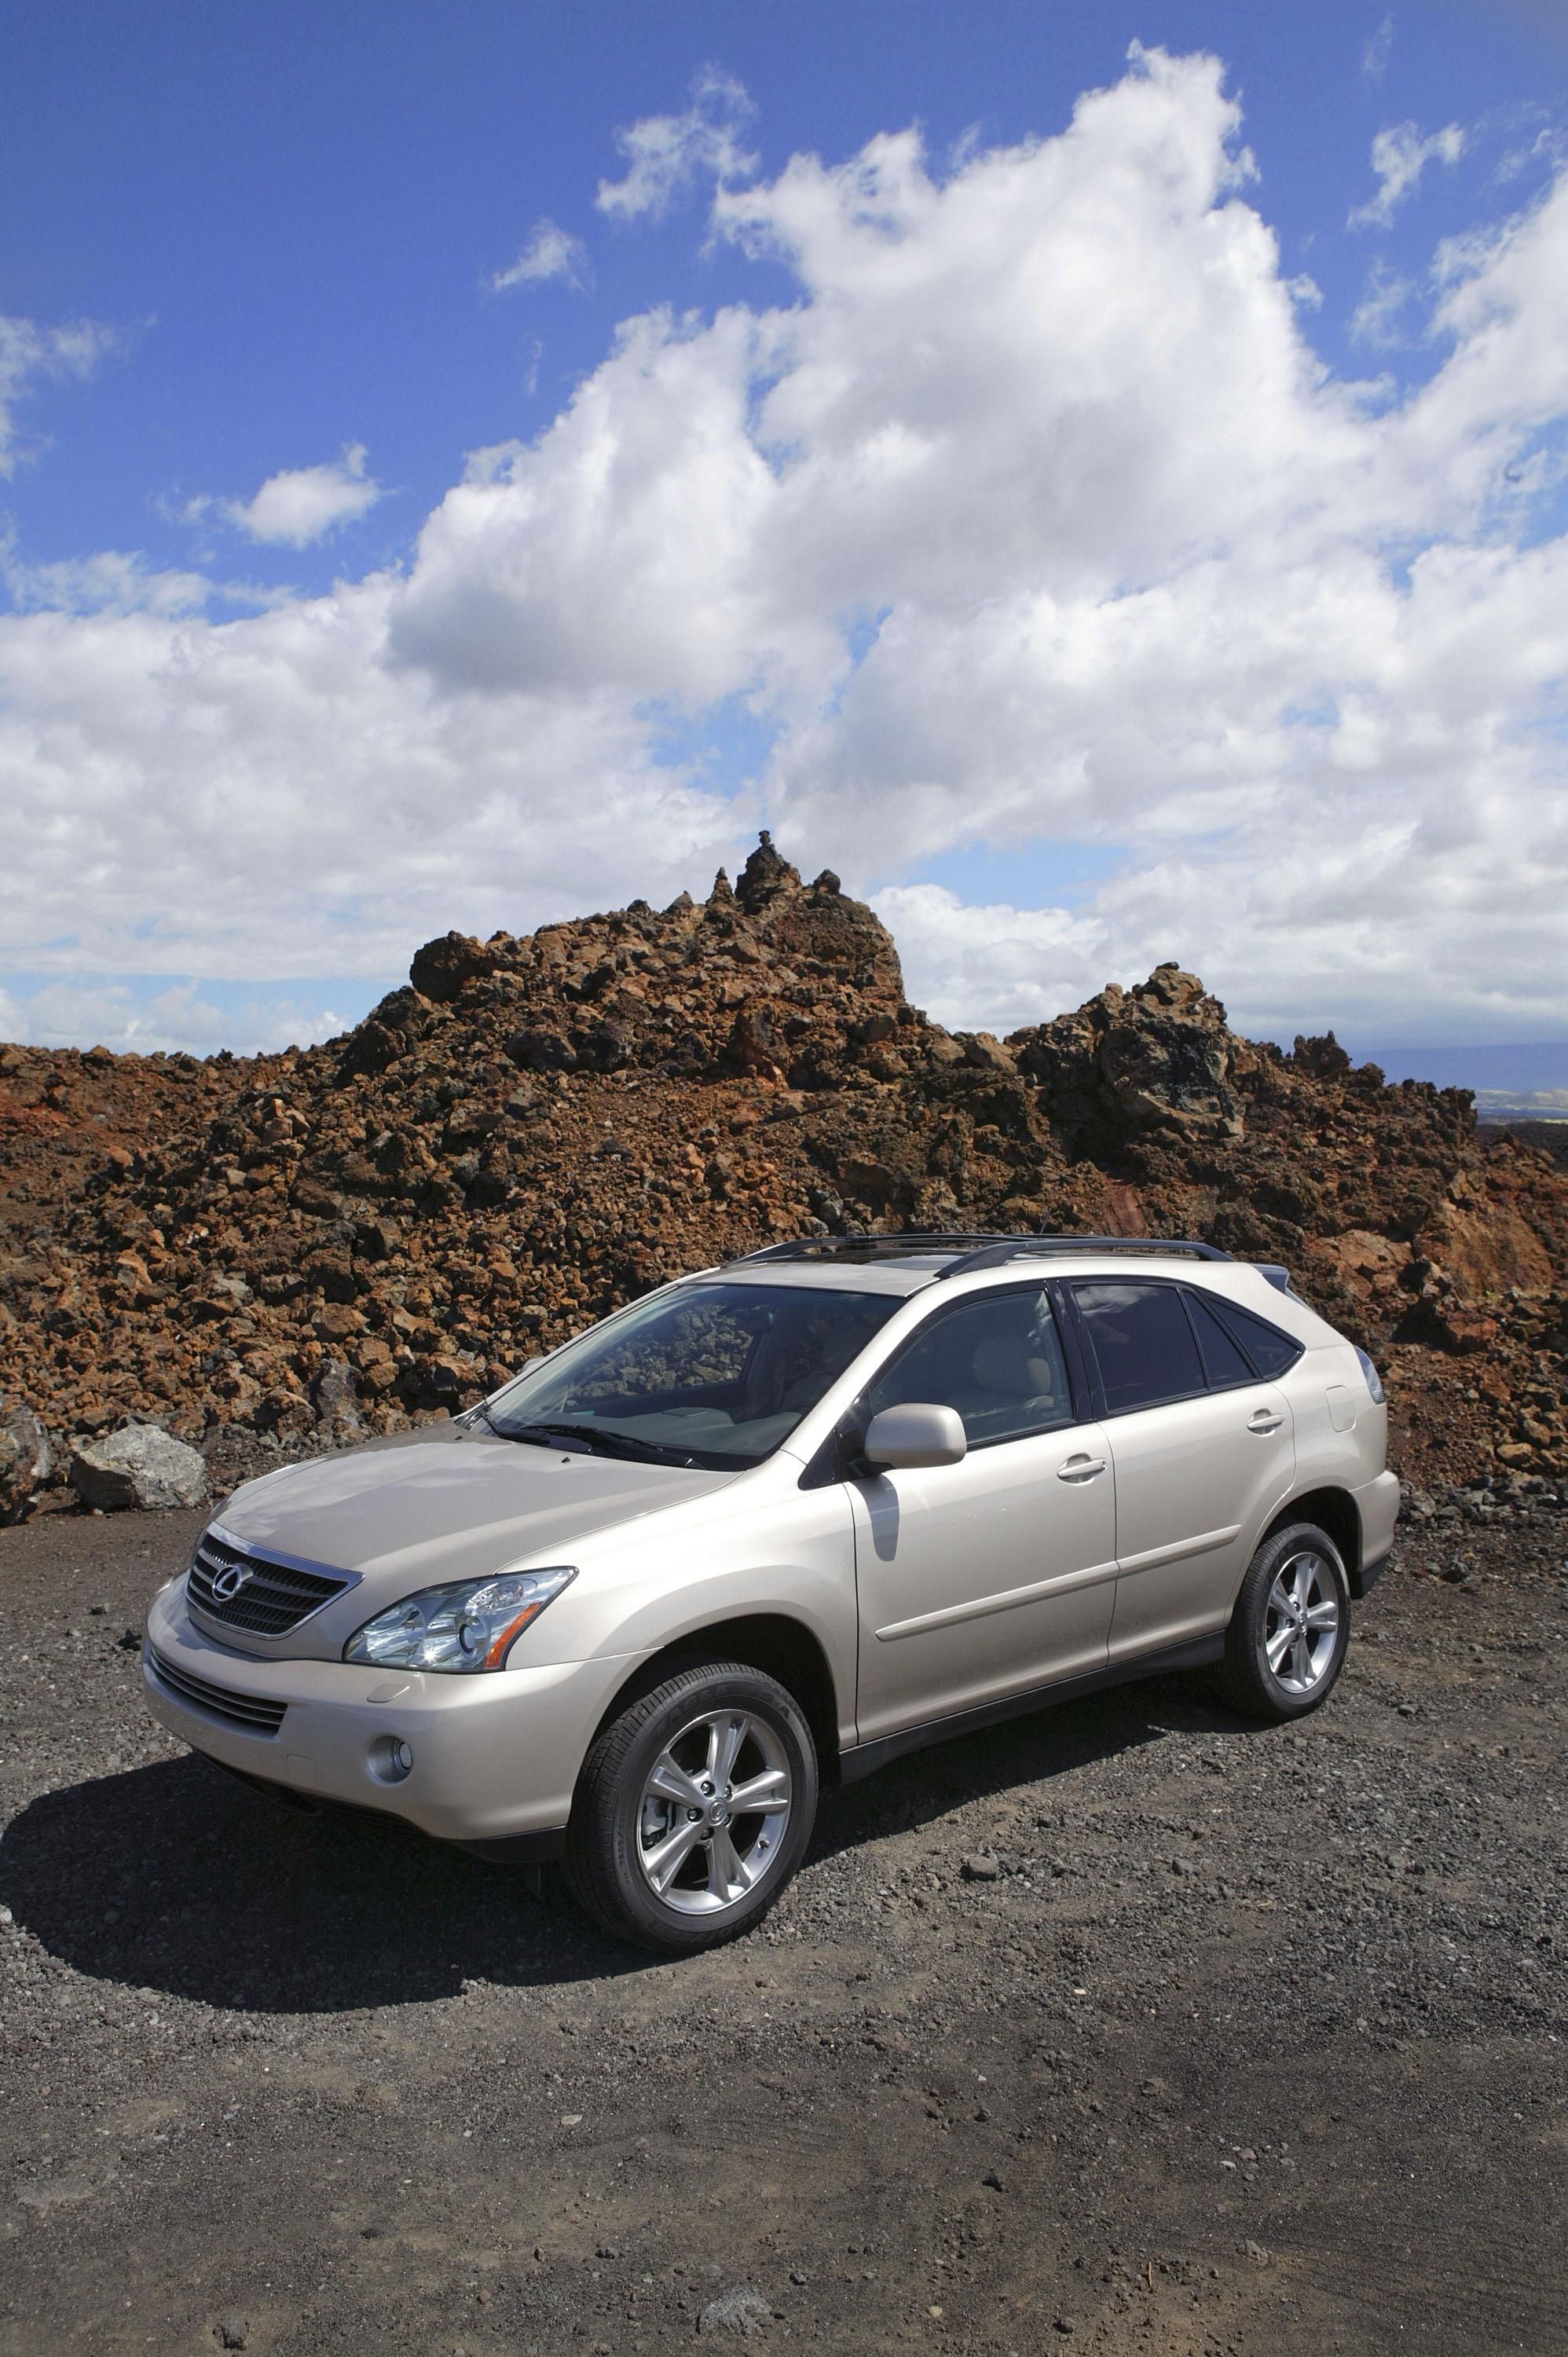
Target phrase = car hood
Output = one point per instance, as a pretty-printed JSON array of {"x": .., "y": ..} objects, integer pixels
[{"x": 442, "y": 1505}]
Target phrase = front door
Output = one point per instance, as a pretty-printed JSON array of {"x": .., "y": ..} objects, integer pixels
[{"x": 979, "y": 1580}]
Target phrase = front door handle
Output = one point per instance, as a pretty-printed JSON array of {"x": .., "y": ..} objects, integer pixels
[
  {"x": 1080, "y": 1469},
  {"x": 1264, "y": 1419}
]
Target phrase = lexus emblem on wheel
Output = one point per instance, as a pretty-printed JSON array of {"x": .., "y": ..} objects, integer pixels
[{"x": 227, "y": 1584}]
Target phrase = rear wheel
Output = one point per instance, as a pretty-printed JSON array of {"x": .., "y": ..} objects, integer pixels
[
  {"x": 1285, "y": 1645},
  {"x": 693, "y": 1809}
]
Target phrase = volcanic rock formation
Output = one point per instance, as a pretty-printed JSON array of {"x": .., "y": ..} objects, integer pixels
[{"x": 340, "y": 1240}]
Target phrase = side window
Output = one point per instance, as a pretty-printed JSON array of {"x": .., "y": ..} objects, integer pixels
[
  {"x": 1141, "y": 1341},
  {"x": 1271, "y": 1352},
  {"x": 998, "y": 1360},
  {"x": 1223, "y": 1361}
]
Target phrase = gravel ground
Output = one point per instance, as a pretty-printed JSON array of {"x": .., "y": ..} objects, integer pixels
[{"x": 1127, "y": 2025}]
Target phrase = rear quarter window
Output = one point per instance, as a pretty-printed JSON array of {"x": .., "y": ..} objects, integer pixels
[
  {"x": 1222, "y": 1355},
  {"x": 1271, "y": 1352}
]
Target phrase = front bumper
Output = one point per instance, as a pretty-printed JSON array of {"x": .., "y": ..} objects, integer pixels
[{"x": 495, "y": 1755}]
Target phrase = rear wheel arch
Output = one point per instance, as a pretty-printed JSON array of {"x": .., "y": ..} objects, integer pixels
[
  {"x": 771, "y": 1642},
  {"x": 1339, "y": 1517}
]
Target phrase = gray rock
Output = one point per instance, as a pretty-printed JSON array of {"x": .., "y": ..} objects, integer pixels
[
  {"x": 338, "y": 1401},
  {"x": 138, "y": 1466},
  {"x": 981, "y": 1869},
  {"x": 26, "y": 1464},
  {"x": 741, "y": 2310},
  {"x": 231, "y": 2332}
]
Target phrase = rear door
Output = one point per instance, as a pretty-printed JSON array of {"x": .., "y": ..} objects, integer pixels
[{"x": 1202, "y": 1448}]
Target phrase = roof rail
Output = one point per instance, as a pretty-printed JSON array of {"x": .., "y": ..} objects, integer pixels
[
  {"x": 908, "y": 1239},
  {"x": 996, "y": 1253},
  {"x": 972, "y": 1249}
]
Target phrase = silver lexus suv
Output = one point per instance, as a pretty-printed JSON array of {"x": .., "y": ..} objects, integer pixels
[{"x": 774, "y": 1525}]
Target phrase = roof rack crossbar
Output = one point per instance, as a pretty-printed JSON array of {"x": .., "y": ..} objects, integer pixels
[{"x": 973, "y": 1249}]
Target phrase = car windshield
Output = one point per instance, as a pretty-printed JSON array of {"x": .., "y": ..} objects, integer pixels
[{"x": 715, "y": 1375}]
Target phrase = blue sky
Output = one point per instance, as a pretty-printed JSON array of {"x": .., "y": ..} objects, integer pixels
[{"x": 285, "y": 687}]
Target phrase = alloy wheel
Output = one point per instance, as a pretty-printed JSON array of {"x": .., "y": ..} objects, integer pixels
[
  {"x": 713, "y": 1812},
  {"x": 1301, "y": 1626}
]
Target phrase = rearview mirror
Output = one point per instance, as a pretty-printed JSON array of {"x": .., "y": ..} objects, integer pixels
[{"x": 914, "y": 1435}]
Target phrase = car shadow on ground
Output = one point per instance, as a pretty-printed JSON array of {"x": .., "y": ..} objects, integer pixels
[
  {"x": 1028, "y": 1751},
  {"x": 175, "y": 1878}
]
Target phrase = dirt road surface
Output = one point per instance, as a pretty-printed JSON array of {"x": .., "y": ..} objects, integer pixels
[{"x": 1127, "y": 2027}]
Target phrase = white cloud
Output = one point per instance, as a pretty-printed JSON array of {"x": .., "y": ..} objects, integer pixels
[
  {"x": 990, "y": 968},
  {"x": 550, "y": 252},
  {"x": 301, "y": 504},
  {"x": 114, "y": 581},
  {"x": 1034, "y": 515},
  {"x": 665, "y": 153},
  {"x": 28, "y": 353},
  {"x": 1376, "y": 52},
  {"x": 1400, "y": 156},
  {"x": 112, "y": 1015},
  {"x": 1376, "y": 319}
]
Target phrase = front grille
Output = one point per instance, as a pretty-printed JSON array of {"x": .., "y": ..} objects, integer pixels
[
  {"x": 273, "y": 1597},
  {"x": 252, "y": 1712}
]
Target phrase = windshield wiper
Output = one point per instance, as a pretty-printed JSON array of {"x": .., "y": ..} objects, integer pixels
[{"x": 594, "y": 1435}]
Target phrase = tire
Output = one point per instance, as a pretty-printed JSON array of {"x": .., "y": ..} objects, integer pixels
[
  {"x": 678, "y": 1869},
  {"x": 1294, "y": 1567}
]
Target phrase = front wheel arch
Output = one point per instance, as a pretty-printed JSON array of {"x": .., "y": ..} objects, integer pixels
[{"x": 772, "y": 1642}]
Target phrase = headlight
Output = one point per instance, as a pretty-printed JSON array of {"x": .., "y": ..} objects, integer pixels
[
  {"x": 471, "y": 1625},
  {"x": 1374, "y": 1381}
]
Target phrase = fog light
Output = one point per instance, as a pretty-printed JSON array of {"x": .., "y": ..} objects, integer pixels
[{"x": 391, "y": 1759}]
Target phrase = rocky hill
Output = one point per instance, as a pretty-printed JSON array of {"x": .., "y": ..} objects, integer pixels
[{"x": 348, "y": 1237}]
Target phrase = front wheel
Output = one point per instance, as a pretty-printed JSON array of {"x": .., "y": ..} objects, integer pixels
[
  {"x": 1285, "y": 1645},
  {"x": 693, "y": 1809}
]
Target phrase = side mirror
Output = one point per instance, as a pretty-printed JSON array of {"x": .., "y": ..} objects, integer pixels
[{"x": 915, "y": 1435}]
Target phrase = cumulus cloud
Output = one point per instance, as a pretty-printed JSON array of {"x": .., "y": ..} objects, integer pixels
[
  {"x": 550, "y": 252},
  {"x": 992, "y": 967},
  {"x": 1033, "y": 515},
  {"x": 666, "y": 153},
  {"x": 300, "y": 504},
  {"x": 183, "y": 1016},
  {"x": 1400, "y": 156},
  {"x": 30, "y": 353}
]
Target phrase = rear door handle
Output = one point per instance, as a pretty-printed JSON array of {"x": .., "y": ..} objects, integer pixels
[
  {"x": 1080, "y": 1469},
  {"x": 1263, "y": 1419}
]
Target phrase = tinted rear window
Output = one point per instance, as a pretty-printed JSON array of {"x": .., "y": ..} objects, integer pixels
[
  {"x": 1141, "y": 1341},
  {"x": 1221, "y": 1355},
  {"x": 1270, "y": 1351}
]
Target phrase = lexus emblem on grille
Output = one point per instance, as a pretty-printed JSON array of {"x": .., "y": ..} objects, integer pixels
[{"x": 227, "y": 1582}]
